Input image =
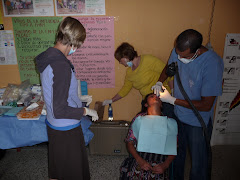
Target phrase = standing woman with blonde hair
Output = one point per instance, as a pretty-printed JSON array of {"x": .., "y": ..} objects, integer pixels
[{"x": 67, "y": 153}]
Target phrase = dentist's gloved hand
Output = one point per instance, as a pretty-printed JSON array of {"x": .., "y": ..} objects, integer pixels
[
  {"x": 165, "y": 96},
  {"x": 86, "y": 98},
  {"x": 106, "y": 102},
  {"x": 92, "y": 113},
  {"x": 157, "y": 88}
]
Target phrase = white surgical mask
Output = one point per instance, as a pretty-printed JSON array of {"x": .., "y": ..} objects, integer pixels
[
  {"x": 186, "y": 61},
  {"x": 72, "y": 51}
]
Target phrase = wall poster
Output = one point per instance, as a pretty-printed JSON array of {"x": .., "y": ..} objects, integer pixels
[
  {"x": 7, "y": 48},
  {"x": 79, "y": 7},
  {"x": 28, "y": 8},
  {"x": 94, "y": 61},
  {"x": 226, "y": 129},
  {"x": 33, "y": 35}
]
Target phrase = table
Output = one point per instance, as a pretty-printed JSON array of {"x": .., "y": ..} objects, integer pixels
[{"x": 16, "y": 133}]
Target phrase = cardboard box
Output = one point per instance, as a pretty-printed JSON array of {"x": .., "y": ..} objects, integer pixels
[{"x": 100, "y": 110}]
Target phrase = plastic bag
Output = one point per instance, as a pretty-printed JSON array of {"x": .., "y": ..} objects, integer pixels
[{"x": 14, "y": 92}]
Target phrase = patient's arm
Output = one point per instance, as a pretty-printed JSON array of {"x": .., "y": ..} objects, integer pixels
[
  {"x": 160, "y": 168},
  {"x": 142, "y": 163}
]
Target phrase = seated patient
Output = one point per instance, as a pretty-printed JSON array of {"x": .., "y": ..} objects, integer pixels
[{"x": 151, "y": 152}]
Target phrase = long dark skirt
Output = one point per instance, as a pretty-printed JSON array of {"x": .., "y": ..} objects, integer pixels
[
  {"x": 68, "y": 158},
  {"x": 130, "y": 169}
]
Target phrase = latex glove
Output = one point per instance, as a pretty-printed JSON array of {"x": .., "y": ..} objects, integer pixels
[
  {"x": 106, "y": 102},
  {"x": 86, "y": 98},
  {"x": 157, "y": 88},
  {"x": 92, "y": 113},
  {"x": 165, "y": 96}
]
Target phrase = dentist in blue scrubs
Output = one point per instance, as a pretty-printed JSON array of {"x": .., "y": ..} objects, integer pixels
[{"x": 201, "y": 73}]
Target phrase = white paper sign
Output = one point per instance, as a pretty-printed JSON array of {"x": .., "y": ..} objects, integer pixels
[
  {"x": 226, "y": 129},
  {"x": 7, "y": 48}
]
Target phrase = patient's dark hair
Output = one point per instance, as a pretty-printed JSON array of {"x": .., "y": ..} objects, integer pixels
[{"x": 144, "y": 108}]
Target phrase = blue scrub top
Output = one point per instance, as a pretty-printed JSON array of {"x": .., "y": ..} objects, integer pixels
[{"x": 201, "y": 77}]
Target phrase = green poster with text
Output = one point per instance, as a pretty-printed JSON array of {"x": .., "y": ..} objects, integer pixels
[{"x": 33, "y": 35}]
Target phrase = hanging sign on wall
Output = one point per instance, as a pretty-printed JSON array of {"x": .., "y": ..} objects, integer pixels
[
  {"x": 94, "y": 62},
  {"x": 226, "y": 129},
  {"x": 33, "y": 35}
]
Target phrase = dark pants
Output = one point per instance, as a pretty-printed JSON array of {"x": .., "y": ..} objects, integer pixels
[
  {"x": 168, "y": 110},
  {"x": 193, "y": 138},
  {"x": 2, "y": 153}
]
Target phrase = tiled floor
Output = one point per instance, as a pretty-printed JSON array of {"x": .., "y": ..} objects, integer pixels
[{"x": 31, "y": 164}]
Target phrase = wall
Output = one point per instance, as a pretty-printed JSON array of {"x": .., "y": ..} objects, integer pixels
[{"x": 151, "y": 27}]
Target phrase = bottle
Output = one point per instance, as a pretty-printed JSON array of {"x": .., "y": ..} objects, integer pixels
[{"x": 110, "y": 112}]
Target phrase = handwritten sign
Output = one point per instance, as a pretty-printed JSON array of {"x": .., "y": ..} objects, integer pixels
[
  {"x": 33, "y": 35},
  {"x": 94, "y": 62}
]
